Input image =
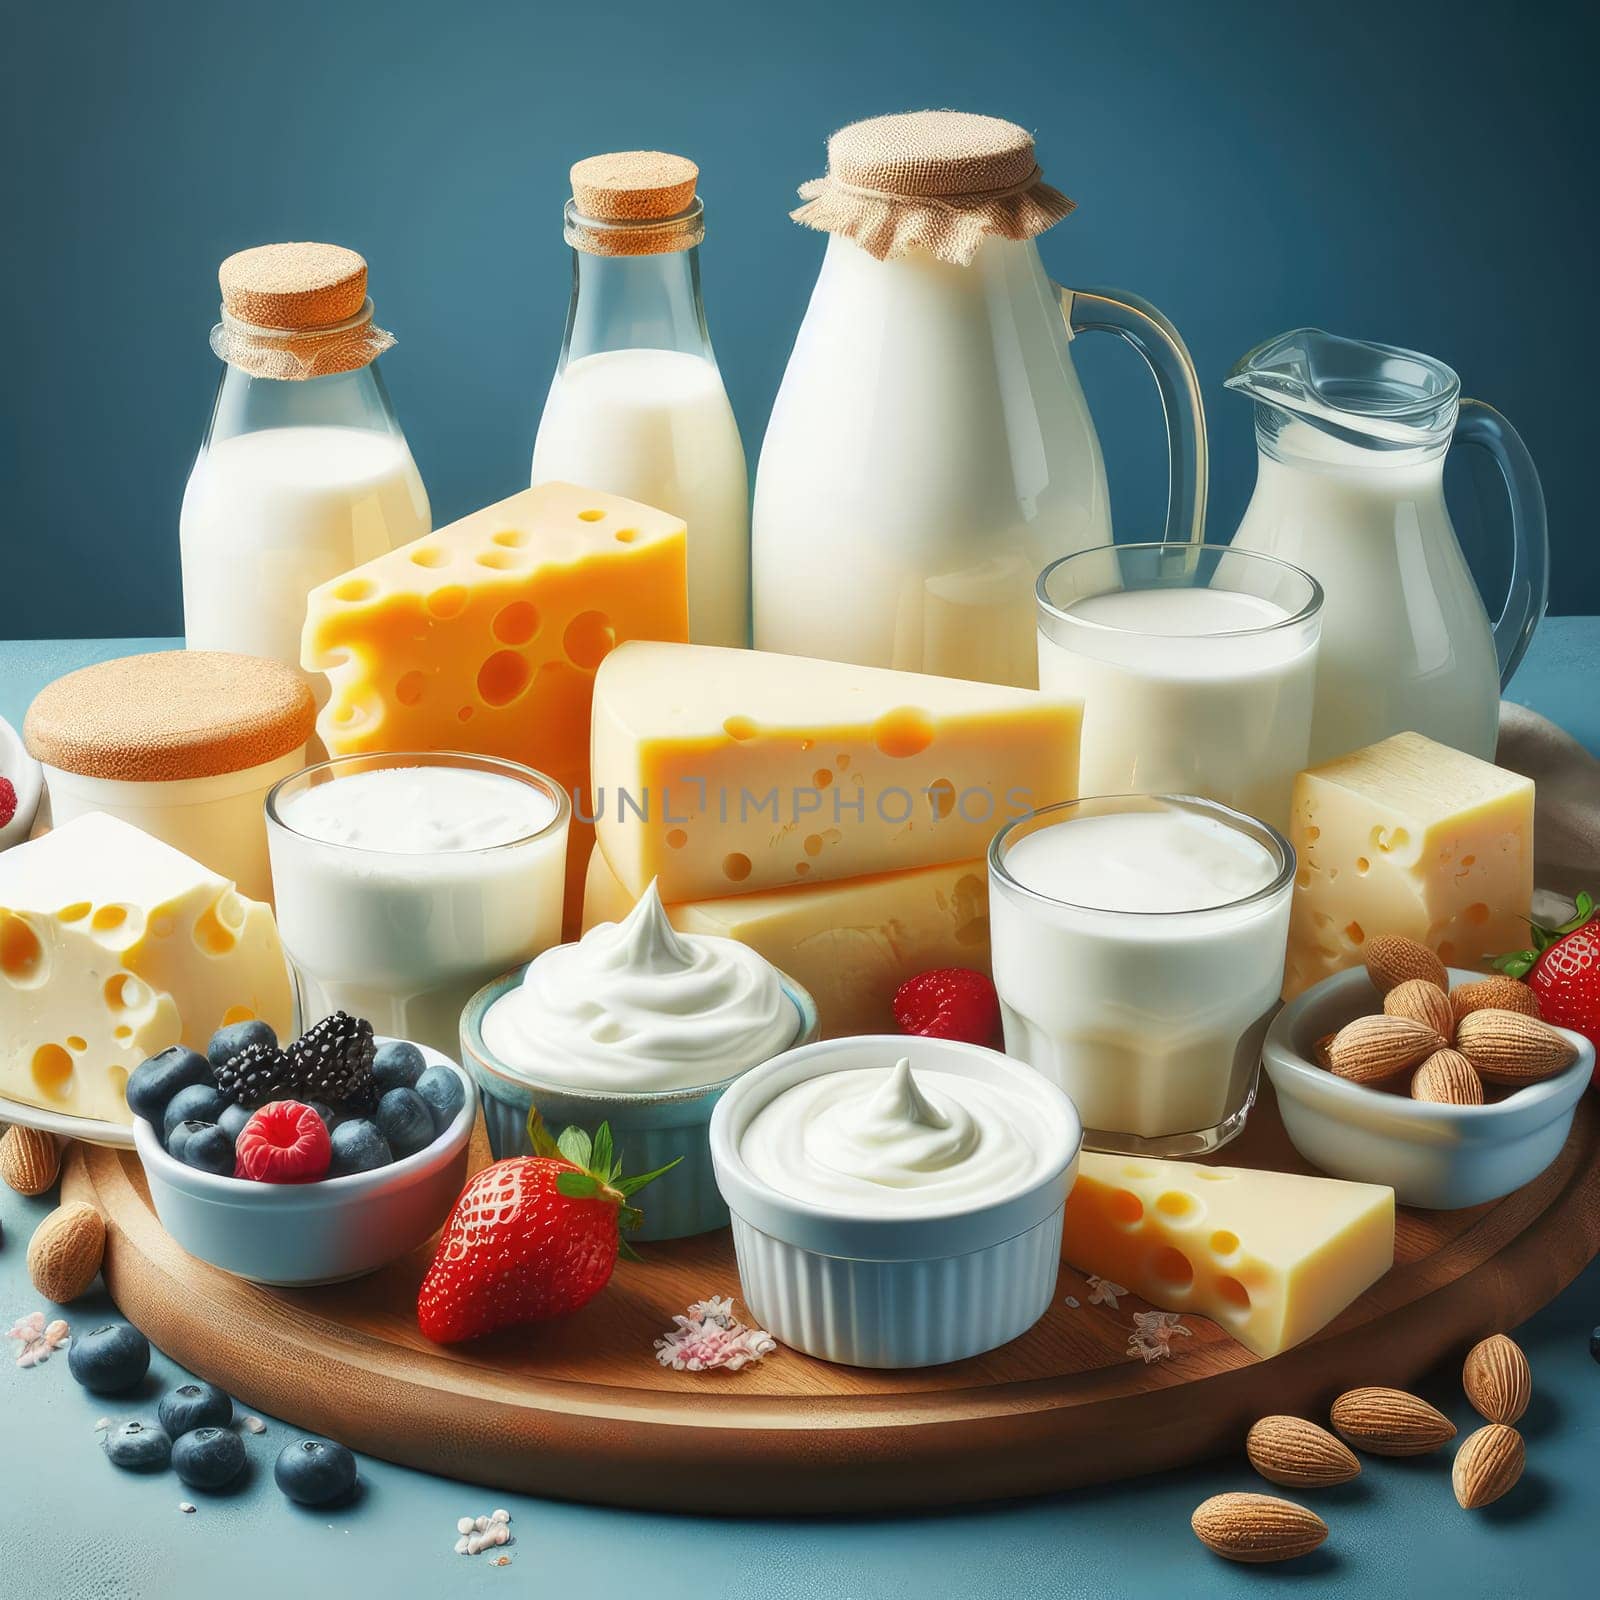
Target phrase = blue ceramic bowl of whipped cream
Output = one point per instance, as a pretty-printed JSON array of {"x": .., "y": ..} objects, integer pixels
[{"x": 644, "y": 1028}]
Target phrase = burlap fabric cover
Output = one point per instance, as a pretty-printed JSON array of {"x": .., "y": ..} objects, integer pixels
[{"x": 939, "y": 181}]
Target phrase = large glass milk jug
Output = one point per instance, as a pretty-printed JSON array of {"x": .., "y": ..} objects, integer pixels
[
  {"x": 930, "y": 449},
  {"x": 1352, "y": 440}
]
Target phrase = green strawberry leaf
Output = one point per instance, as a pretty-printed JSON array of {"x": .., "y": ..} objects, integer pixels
[
  {"x": 575, "y": 1145},
  {"x": 600, "y": 1156},
  {"x": 577, "y": 1185},
  {"x": 625, "y": 1251},
  {"x": 630, "y": 1186},
  {"x": 1516, "y": 964},
  {"x": 539, "y": 1135}
]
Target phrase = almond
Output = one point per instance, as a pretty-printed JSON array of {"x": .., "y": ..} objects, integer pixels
[
  {"x": 1319, "y": 1052},
  {"x": 29, "y": 1160},
  {"x": 1373, "y": 1048},
  {"x": 1390, "y": 1422},
  {"x": 1497, "y": 1379},
  {"x": 1487, "y": 1465},
  {"x": 1423, "y": 1002},
  {"x": 1298, "y": 1454},
  {"x": 1447, "y": 1078},
  {"x": 1494, "y": 994},
  {"x": 1508, "y": 1047},
  {"x": 1392, "y": 959},
  {"x": 66, "y": 1250},
  {"x": 1257, "y": 1527}
]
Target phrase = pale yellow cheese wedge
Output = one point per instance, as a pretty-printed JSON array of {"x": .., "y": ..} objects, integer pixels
[
  {"x": 1272, "y": 1256},
  {"x": 722, "y": 772},
  {"x": 113, "y": 946},
  {"x": 1408, "y": 837},
  {"x": 851, "y": 944}
]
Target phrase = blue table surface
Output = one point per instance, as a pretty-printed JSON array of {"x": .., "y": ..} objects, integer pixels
[{"x": 74, "y": 1528}]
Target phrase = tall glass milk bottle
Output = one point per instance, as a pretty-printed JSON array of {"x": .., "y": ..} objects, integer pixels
[
  {"x": 637, "y": 405},
  {"x": 930, "y": 449},
  {"x": 304, "y": 471}
]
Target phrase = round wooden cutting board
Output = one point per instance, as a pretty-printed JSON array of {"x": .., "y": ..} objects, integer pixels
[{"x": 582, "y": 1410}]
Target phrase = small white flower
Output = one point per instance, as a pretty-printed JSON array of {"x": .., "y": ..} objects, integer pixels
[{"x": 1103, "y": 1292}]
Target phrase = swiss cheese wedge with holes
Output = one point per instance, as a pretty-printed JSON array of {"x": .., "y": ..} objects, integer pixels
[
  {"x": 113, "y": 946},
  {"x": 1408, "y": 837},
  {"x": 1271, "y": 1256},
  {"x": 485, "y": 635},
  {"x": 724, "y": 771}
]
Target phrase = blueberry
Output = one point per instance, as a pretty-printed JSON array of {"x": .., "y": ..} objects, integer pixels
[
  {"x": 208, "y": 1458},
  {"x": 138, "y": 1447},
  {"x": 200, "y": 1102},
  {"x": 358, "y": 1147},
  {"x": 227, "y": 1042},
  {"x": 315, "y": 1472},
  {"x": 397, "y": 1065},
  {"x": 405, "y": 1120},
  {"x": 233, "y": 1119},
  {"x": 208, "y": 1149},
  {"x": 178, "y": 1139},
  {"x": 326, "y": 1112},
  {"x": 110, "y": 1358},
  {"x": 441, "y": 1088},
  {"x": 154, "y": 1082},
  {"x": 194, "y": 1405}
]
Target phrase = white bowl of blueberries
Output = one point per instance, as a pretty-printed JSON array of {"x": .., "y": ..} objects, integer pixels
[{"x": 310, "y": 1162}]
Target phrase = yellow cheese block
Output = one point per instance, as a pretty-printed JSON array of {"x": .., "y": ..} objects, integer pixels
[
  {"x": 1272, "y": 1256},
  {"x": 852, "y": 944},
  {"x": 722, "y": 772},
  {"x": 113, "y": 946},
  {"x": 485, "y": 635},
  {"x": 1408, "y": 837}
]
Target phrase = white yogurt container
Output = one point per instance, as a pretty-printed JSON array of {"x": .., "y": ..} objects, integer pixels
[
  {"x": 896, "y": 1201},
  {"x": 181, "y": 744},
  {"x": 1138, "y": 953},
  {"x": 407, "y": 881}
]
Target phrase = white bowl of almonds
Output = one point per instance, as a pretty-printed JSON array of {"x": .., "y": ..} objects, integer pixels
[{"x": 1441, "y": 1083}]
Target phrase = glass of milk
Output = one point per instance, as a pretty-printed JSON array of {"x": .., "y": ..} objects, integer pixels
[
  {"x": 1138, "y": 950},
  {"x": 1196, "y": 665},
  {"x": 404, "y": 883}
]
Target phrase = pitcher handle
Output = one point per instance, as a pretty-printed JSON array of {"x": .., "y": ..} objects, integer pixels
[
  {"x": 1154, "y": 337},
  {"x": 1529, "y": 592}
]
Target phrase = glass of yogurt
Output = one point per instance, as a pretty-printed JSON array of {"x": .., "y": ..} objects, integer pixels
[
  {"x": 1138, "y": 951},
  {"x": 404, "y": 881},
  {"x": 1196, "y": 665}
]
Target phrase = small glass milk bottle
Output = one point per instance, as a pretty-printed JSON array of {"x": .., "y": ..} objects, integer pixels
[
  {"x": 637, "y": 406},
  {"x": 304, "y": 472}
]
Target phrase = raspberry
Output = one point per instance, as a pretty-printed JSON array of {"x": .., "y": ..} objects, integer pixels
[
  {"x": 949, "y": 1003},
  {"x": 284, "y": 1142},
  {"x": 8, "y": 801}
]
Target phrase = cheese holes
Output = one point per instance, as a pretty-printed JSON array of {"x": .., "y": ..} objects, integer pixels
[
  {"x": 813, "y": 844},
  {"x": 821, "y": 778},
  {"x": 430, "y": 555},
  {"x": 736, "y": 866},
  {"x": 516, "y": 623},
  {"x": 676, "y": 838},
  {"x": 52, "y": 1070},
  {"x": 591, "y": 516},
  {"x": 354, "y": 590},
  {"x": 1125, "y": 1207},
  {"x": 450, "y": 601},
  {"x": 1477, "y": 914},
  {"x": 1172, "y": 1267},
  {"x": 497, "y": 560},
  {"x": 1224, "y": 1243},
  {"x": 502, "y": 678},
  {"x": 739, "y": 728},
  {"x": 408, "y": 691},
  {"x": 510, "y": 539},
  {"x": 903, "y": 732},
  {"x": 626, "y": 535},
  {"x": 1177, "y": 1205},
  {"x": 21, "y": 954},
  {"x": 1363, "y": 866},
  {"x": 941, "y": 798},
  {"x": 77, "y": 1043},
  {"x": 212, "y": 934},
  {"x": 108, "y": 919},
  {"x": 1233, "y": 1294},
  {"x": 76, "y": 912},
  {"x": 124, "y": 992},
  {"x": 588, "y": 639},
  {"x": 1355, "y": 933}
]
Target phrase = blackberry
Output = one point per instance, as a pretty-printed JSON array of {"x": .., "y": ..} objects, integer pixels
[
  {"x": 332, "y": 1063},
  {"x": 256, "y": 1074}
]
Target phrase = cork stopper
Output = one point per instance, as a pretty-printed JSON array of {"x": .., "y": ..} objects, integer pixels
[
  {"x": 293, "y": 286},
  {"x": 172, "y": 714},
  {"x": 634, "y": 202}
]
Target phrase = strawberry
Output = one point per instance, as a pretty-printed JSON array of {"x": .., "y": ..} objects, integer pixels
[
  {"x": 1563, "y": 970},
  {"x": 8, "y": 801},
  {"x": 949, "y": 1003},
  {"x": 532, "y": 1237},
  {"x": 283, "y": 1142}
]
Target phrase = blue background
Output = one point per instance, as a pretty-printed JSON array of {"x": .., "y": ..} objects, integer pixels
[{"x": 1420, "y": 173}]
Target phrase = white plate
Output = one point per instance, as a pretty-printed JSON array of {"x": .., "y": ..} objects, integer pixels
[
  {"x": 89, "y": 1129},
  {"x": 26, "y": 778}
]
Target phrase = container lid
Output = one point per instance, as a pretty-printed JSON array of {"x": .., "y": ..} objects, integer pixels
[
  {"x": 634, "y": 202},
  {"x": 171, "y": 714},
  {"x": 296, "y": 311},
  {"x": 939, "y": 181}
]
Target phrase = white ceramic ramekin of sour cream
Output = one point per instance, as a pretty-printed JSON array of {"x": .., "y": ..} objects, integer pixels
[
  {"x": 644, "y": 1028},
  {"x": 892, "y": 1219}
]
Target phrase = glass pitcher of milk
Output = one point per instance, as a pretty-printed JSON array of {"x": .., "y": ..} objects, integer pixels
[
  {"x": 930, "y": 449},
  {"x": 637, "y": 406},
  {"x": 304, "y": 471},
  {"x": 1352, "y": 439}
]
